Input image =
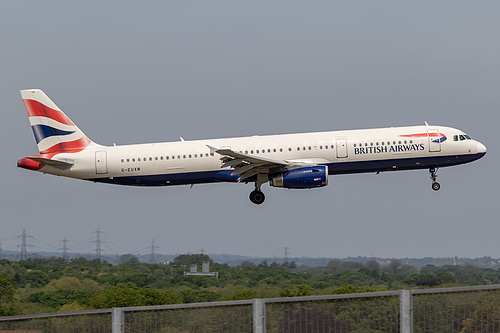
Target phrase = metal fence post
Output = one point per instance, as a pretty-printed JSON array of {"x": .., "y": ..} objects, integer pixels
[
  {"x": 259, "y": 316},
  {"x": 117, "y": 321},
  {"x": 406, "y": 311}
]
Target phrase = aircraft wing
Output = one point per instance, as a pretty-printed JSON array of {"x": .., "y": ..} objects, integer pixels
[{"x": 249, "y": 165}]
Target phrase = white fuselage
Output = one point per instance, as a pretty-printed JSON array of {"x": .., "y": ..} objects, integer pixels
[{"x": 351, "y": 151}]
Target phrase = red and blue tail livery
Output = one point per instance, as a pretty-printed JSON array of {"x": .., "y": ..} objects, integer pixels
[
  {"x": 293, "y": 161},
  {"x": 53, "y": 130}
]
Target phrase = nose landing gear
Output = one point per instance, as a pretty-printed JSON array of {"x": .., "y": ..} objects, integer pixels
[{"x": 435, "y": 185}]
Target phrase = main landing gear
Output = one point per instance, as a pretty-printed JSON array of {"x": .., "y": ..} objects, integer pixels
[
  {"x": 257, "y": 196},
  {"x": 435, "y": 185}
]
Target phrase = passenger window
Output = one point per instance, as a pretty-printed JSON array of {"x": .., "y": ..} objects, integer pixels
[
  {"x": 269, "y": 150},
  {"x": 178, "y": 157},
  {"x": 122, "y": 160},
  {"x": 303, "y": 148},
  {"x": 257, "y": 151},
  {"x": 133, "y": 160},
  {"x": 246, "y": 151},
  {"x": 195, "y": 155},
  {"x": 152, "y": 158},
  {"x": 326, "y": 146},
  {"x": 139, "y": 159},
  {"x": 309, "y": 147},
  {"x": 128, "y": 160},
  {"x": 281, "y": 150}
]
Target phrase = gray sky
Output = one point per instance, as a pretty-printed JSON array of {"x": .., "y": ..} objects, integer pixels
[{"x": 136, "y": 72}]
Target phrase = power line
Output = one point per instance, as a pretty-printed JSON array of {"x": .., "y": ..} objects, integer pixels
[
  {"x": 98, "y": 242},
  {"x": 286, "y": 253},
  {"x": 65, "y": 249},
  {"x": 24, "y": 252},
  {"x": 152, "y": 259}
]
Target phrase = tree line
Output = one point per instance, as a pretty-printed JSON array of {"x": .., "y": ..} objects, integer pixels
[{"x": 41, "y": 285}]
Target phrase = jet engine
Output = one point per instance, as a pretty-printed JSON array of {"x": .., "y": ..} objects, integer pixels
[{"x": 306, "y": 177}]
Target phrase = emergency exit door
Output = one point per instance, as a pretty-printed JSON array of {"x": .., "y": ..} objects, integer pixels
[{"x": 341, "y": 148}]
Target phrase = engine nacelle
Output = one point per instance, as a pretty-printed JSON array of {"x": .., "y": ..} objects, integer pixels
[{"x": 307, "y": 177}]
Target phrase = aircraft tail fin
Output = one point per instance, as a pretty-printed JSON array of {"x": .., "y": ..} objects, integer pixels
[{"x": 54, "y": 131}]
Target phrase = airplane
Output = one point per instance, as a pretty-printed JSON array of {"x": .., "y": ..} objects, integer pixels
[{"x": 292, "y": 161}]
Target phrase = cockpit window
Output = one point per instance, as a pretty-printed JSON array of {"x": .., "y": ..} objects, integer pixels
[{"x": 461, "y": 137}]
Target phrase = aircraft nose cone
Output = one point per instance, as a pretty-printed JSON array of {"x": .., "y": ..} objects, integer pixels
[{"x": 481, "y": 149}]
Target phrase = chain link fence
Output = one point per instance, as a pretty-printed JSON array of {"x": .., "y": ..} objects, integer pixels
[
  {"x": 91, "y": 321},
  {"x": 379, "y": 312},
  {"x": 460, "y": 310},
  {"x": 216, "y": 317},
  {"x": 463, "y": 310}
]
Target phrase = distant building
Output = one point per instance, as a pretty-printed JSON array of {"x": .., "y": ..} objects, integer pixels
[{"x": 205, "y": 270}]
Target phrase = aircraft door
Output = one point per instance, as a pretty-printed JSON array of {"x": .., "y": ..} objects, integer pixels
[
  {"x": 434, "y": 140},
  {"x": 341, "y": 148},
  {"x": 101, "y": 162}
]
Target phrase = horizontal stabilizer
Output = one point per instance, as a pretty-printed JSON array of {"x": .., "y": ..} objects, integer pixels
[
  {"x": 35, "y": 163},
  {"x": 61, "y": 162}
]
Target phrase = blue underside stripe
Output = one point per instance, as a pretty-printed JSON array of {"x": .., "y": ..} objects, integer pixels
[{"x": 333, "y": 169}]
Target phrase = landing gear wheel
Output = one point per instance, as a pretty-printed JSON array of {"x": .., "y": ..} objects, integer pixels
[
  {"x": 257, "y": 197},
  {"x": 433, "y": 174}
]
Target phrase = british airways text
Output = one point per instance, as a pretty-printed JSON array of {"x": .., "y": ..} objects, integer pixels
[{"x": 388, "y": 149}]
